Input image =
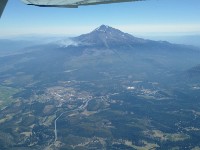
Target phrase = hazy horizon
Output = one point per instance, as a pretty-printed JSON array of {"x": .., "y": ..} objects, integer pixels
[
  {"x": 186, "y": 39},
  {"x": 151, "y": 17}
]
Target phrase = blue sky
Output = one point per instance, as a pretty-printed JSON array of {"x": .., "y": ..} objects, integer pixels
[{"x": 150, "y": 17}]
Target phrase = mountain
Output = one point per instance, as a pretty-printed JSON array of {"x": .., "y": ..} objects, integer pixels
[
  {"x": 111, "y": 38},
  {"x": 102, "y": 90},
  {"x": 108, "y": 37},
  {"x": 103, "y": 49}
]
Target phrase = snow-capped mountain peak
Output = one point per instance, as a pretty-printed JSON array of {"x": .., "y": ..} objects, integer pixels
[{"x": 102, "y": 28}]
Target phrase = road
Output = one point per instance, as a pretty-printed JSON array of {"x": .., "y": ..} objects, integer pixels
[{"x": 82, "y": 107}]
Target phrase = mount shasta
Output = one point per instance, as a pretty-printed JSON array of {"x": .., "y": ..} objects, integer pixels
[{"x": 102, "y": 90}]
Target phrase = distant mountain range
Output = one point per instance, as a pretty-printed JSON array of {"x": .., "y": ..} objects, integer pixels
[{"x": 184, "y": 39}]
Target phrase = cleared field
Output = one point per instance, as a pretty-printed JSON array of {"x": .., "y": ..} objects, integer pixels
[{"x": 6, "y": 95}]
